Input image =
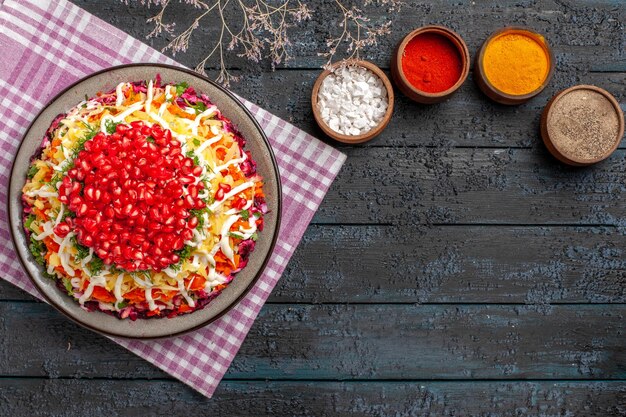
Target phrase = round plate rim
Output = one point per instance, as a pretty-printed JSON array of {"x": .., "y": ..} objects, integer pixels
[{"x": 278, "y": 209}]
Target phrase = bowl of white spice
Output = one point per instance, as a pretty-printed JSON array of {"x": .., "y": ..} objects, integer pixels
[{"x": 352, "y": 101}]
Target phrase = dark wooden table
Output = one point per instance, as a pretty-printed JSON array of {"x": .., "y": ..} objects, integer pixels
[{"x": 454, "y": 268}]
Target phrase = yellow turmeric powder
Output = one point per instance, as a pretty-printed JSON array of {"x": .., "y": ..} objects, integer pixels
[{"x": 516, "y": 63}]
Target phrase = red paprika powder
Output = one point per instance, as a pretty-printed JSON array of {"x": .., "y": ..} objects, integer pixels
[{"x": 431, "y": 63}]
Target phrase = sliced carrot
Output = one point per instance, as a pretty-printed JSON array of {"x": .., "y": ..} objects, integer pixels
[
  {"x": 101, "y": 294},
  {"x": 40, "y": 214},
  {"x": 177, "y": 111},
  {"x": 183, "y": 308},
  {"x": 51, "y": 245},
  {"x": 136, "y": 296},
  {"x": 197, "y": 282},
  {"x": 220, "y": 153},
  {"x": 164, "y": 295},
  {"x": 240, "y": 223}
]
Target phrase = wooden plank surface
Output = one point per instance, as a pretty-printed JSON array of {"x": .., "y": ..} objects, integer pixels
[
  {"x": 450, "y": 264},
  {"x": 586, "y": 39},
  {"x": 363, "y": 342},
  {"x": 292, "y": 398},
  {"x": 485, "y": 186},
  {"x": 453, "y": 269}
]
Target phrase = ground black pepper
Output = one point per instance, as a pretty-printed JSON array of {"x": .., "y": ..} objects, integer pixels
[{"x": 583, "y": 125}]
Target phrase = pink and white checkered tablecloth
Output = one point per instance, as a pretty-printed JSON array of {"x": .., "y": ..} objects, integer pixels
[{"x": 46, "y": 45}]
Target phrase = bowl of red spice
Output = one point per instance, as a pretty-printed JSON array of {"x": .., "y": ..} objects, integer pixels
[{"x": 430, "y": 64}]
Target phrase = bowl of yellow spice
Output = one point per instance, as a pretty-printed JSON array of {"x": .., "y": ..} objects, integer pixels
[{"x": 514, "y": 65}]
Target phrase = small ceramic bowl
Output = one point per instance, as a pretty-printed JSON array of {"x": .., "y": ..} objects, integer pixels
[
  {"x": 406, "y": 87},
  {"x": 353, "y": 139},
  {"x": 496, "y": 94},
  {"x": 562, "y": 154}
]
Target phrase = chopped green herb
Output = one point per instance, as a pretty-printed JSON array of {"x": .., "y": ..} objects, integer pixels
[
  {"x": 150, "y": 139},
  {"x": 92, "y": 130},
  {"x": 82, "y": 251},
  {"x": 180, "y": 88},
  {"x": 142, "y": 273},
  {"x": 121, "y": 305},
  {"x": 68, "y": 286},
  {"x": 29, "y": 220},
  {"x": 38, "y": 249},
  {"x": 32, "y": 171},
  {"x": 59, "y": 175},
  {"x": 235, "y": 235},
  {"x": 192, "y": 155},
  {"x": 245, "y": 214},
  {"x": 110, "y": 126},
  {"x": 115, "y": 270},
  {"x": 185, "y": 252},
  {"x": 254, "y": 236},
  {"x": 199, "y": 107},
  {"x": 95, "y": 265},
  {"x": 49, "y": 276},
  {"x": 196, "y": 141},
  {"x": 86, "y": 97},
  {"x": 198, "y": 213}
]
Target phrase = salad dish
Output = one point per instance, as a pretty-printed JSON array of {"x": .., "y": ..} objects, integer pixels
[{"x": 143, "y": 201}]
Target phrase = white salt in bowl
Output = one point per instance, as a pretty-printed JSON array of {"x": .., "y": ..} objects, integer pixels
[{"x": 374, "y": 131}]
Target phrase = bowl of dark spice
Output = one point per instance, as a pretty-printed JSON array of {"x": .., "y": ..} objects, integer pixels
[
  {"x": 582, "y": 125},
  {"x": 430, "y": 64},
  {"x": 352, "y": 101}
]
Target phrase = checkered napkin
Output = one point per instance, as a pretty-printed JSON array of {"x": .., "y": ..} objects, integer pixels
[{"x": 47, "y": 44}]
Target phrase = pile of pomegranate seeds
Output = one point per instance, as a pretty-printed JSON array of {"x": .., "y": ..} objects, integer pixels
[{"x": 132, "y": 193}]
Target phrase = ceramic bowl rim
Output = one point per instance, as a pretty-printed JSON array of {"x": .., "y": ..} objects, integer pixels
[
  {"x": 456, "y": 40},
  {"x": 253, "y": 281},
  {"x": 365, "y": 136},
  {"x": 571, "y": 160},
  {"x": 539, "y": 38}
]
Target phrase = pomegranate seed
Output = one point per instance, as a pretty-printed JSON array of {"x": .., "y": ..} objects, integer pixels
[
  {"x": 187, "y": 234},
  {"x": 82, "y": 209},
  {"x": 62, "y": 230},
  {"x": 168, "y": 229},
  {"x": 239, "y": 203},
  {"x": 193, "y": 191},
  {"x": 127, "y": 195},
  {"x": 219, "y": 195}
]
